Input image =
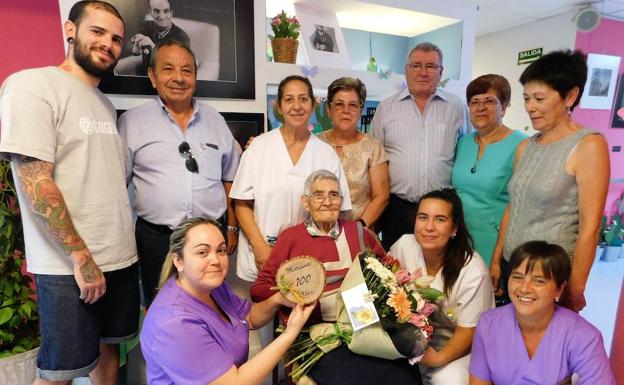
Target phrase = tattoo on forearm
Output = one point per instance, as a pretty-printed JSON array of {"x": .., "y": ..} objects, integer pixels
[
  {"x": 90, "y": 271},
  {"x": 47, "y": 202}
]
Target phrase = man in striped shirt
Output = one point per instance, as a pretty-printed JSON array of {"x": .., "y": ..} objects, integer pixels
[{"x": 419, "y": 127}]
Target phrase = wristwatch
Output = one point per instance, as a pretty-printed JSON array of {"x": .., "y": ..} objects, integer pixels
[{"x": 233, "y": 229}]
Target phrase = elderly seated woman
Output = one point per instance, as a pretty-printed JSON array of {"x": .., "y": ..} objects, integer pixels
[
  {"x": 533, "y": 340},
  {"x": 197, "y": 329},
  {"x": 335, "y": 243}
]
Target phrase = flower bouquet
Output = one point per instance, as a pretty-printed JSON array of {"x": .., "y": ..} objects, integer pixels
[{"x": 403, "y": 302}]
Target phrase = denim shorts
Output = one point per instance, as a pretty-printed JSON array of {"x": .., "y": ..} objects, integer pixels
[{"x": 71, "y": 330}]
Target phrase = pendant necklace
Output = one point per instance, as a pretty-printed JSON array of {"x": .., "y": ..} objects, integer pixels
[{"x": 476, "y": 162}]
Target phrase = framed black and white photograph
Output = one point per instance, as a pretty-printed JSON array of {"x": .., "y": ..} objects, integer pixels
[
  {"x": 322, "y": 38},
  {"x": 601, "y": 78},
  {"x": 617, "y": 120},
  {"x": 219, "y": 32},
  {"x": 244, "y": 125}
]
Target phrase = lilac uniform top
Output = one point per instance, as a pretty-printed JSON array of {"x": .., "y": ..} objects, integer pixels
[
  {"x": 186, "y": 342},
  {"x": 569, "y": 345}
]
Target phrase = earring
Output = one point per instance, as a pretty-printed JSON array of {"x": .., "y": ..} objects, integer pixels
[
  {"x": 569, "y": 110},
  {"x": 556, "y": 299},
  {"x": 70, "y": 40},
  {"x": 453, "y": 236}
]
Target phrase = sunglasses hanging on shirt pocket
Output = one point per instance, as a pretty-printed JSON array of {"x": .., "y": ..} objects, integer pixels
[{"x": 185, "y": 151}]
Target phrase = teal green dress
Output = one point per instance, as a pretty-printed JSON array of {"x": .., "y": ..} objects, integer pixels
[{"x": 482, "y": 186}]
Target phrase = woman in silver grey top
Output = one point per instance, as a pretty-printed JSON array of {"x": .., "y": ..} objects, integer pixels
[{"x": 561, "y": 178}]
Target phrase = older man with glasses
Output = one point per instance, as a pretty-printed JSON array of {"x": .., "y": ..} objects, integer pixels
[
  {"x": 418, "y": 127},
  {"x": 181, "y": 158}
]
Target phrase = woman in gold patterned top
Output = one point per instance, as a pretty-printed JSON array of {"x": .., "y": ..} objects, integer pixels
[{"x": 363, "y": 157}]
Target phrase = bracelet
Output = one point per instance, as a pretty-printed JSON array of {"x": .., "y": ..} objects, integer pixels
[
  {"x": 233, "y": 229},
  {"x": 363, "y": 222}
]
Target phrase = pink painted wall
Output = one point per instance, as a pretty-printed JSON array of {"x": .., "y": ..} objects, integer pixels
[
  {"x": 30, "y": 35},
  {"x": 607, "y": 39}
]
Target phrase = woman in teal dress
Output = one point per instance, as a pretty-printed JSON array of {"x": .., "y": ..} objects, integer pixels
[{"x": 484, "y": 161}]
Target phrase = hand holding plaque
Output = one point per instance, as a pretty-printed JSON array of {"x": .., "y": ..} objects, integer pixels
[{"x": 301, "y": 279}]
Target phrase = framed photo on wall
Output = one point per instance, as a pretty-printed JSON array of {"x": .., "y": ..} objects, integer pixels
[
  {"x": 617, "y": 120},
  {"x": 244, "y": 125},
  {"x": 219, "y": 32},
  {"x": 602, "y": 73},
  {"x": 322, "y": 38}
]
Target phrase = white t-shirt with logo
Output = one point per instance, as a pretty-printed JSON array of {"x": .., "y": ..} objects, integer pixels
[{"x": 51, "y": 115}]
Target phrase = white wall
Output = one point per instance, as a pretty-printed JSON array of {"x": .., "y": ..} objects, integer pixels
[
  {"x": 498, "y": 53},
  {"x": 268, "y": 73}
]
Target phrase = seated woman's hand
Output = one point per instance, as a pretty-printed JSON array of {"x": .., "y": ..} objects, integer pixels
[
  {"x": 262, "y": 253},
  {"x": 298, "y": 317}
]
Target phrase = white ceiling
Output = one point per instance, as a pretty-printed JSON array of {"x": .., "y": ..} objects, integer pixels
[
  {"x": 496, "y": 15},
  {"x": 365, "y": 16},
  {"x": 492, "y": 15}
]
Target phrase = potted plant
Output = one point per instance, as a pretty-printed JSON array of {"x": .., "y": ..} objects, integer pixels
[
  {"x": 284, "y": 42},
  {"x": 613, "y": 239},
  {"x": 19, "y": 326}
]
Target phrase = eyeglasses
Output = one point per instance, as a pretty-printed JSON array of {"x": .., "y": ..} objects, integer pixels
[
  {"x": 417, "y": 67},
  {"x": 340, "y": 105},
  {"x": 319, "y": 196},
  {"x": 190, "y": 163},
  {"x": 489, "y": 102}
]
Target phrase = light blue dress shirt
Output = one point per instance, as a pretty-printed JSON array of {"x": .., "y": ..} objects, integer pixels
[{"x": 166, "y": 192}]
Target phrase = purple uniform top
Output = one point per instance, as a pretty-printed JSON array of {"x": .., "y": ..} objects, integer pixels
[
  {"x": 186, "y": 342},
  {"x": 569, "y": 345}
]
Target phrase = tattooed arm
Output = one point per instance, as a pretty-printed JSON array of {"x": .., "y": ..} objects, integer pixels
[{"x": 47, "y": 203}]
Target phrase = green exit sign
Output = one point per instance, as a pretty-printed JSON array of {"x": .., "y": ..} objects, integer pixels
[{"x": 530, "y": 55}]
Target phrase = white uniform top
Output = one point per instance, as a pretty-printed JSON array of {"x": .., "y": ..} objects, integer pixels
[
  {"x": 471, "y": 295},
  {"x": 267, "y": 176}
]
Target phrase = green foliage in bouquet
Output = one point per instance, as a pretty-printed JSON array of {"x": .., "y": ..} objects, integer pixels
[{"x": 19, "y": 327}]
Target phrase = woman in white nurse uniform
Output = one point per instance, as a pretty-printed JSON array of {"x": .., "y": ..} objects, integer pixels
[{"x": 269, "y": 183}]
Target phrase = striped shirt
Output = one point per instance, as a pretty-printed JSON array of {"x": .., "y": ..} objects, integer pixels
[{"x": 420, "y": 146}]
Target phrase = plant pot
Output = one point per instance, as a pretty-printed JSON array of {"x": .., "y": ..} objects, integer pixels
[
  {"x": 284, "y": 50},
  {"x": 599, "y": 252},
  {"x": 19, "y": 369},
  {"x": 611, "y": 253}
]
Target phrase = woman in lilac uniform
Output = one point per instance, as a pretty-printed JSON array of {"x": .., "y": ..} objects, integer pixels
[
  {"x": 197, "y": 329},
  {"x": 533, "y": 340}
]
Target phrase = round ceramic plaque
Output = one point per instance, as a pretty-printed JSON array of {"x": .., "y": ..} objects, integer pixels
[{"x": 301, "y": 279}]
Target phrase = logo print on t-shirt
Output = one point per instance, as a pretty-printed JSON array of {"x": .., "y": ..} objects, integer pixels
[{"x": 90, "y": 126}]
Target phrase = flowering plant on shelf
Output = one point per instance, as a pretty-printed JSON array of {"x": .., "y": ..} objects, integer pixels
[
  {"x": 284, "y": 26},
  {"x": 403, "y": 300}
]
